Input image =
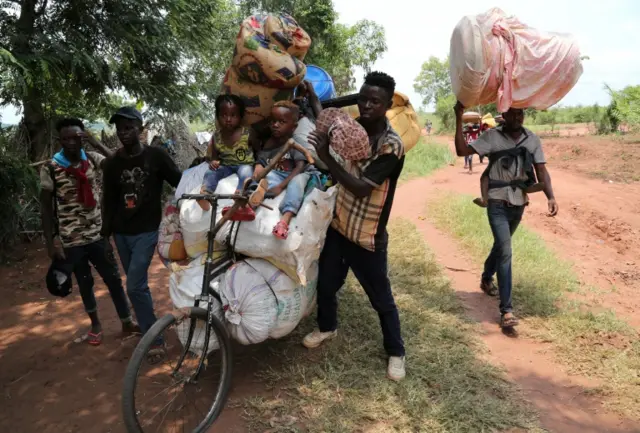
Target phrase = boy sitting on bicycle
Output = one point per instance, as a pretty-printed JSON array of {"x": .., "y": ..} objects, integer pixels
[{"x": 292, "y": 174}]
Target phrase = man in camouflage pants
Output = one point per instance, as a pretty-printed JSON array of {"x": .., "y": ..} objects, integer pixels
[{"x": 72, "y": 221}]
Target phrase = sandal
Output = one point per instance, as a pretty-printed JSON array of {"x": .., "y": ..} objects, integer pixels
[
  {"x": 489, "y": 287},
  {"x": 257, "y": 197},
  {"x": 156, "y": 354},
  {"x": 244, "y": 213},
  {"x": 94, "y": 339},
  {"x": 508, "y": 322},
  {"x": 281, "y": 230}
]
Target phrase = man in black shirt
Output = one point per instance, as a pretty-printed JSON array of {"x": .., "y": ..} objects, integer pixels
[{"x": 133, "y": 181}]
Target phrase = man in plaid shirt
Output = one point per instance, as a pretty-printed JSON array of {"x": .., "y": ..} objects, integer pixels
[{"x": 357, "y": 238}]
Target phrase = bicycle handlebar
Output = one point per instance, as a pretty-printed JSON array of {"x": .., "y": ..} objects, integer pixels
[{"x": 212, "y": 197}]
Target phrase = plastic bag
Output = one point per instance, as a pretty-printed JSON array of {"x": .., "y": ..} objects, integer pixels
[
  {"x": 262, "y": 302},
  {"x": 184, "y": 286},
  {"x": 170, "y": 242},
  {"x": 307, "y": 231},
  {"x": 496, "y": 58},
  {"x": 191, "y": 180}
]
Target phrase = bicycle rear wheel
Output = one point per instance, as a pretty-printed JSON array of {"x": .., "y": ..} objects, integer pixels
[{"x": 169, "y": 396}]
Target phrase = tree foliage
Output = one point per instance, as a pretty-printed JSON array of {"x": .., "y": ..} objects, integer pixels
[
  {"x": 433, "y": 82},
  {"x": 68, "y": 56},
  {"x": 625, "y": 106},
  {"x": 84, "y": 57}
]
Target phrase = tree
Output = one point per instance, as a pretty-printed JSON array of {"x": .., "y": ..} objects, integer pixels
[
  {"x": 335, "y": 47},
  {"x": 433, "y": 81},
  {"x": 66, "y": 57},
  {"x": 625, "y": 106}
]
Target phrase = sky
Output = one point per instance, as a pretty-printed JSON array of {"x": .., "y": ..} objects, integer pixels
[
  {"x": 606, "y": 31},
  {"x": 417, "y": 29}
]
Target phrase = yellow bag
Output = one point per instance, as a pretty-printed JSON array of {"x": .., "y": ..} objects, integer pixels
[
  {"x": 259, "y": 60},
  {"x": 402, "y": 117},
  {"x": 488, "y": 120},
  {"x": 258, "y": 100}
]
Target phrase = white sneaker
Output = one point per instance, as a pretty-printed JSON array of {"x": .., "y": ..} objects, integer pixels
[
  {"x": 395, "y": 370},
  {"x": 316, "y": 338}
]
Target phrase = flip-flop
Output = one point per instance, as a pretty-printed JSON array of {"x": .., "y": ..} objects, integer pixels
[
  {"x": 91, "y": 338},
  {"x": 257, "y": 197},
  {"x": 508, "y": 322},
  {"x": 281, "y": 230}
]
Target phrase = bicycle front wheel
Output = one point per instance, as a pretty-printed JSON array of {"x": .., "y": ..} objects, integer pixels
[{"x": 176, "y": 386}]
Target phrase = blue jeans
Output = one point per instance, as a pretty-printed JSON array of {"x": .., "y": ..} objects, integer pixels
[
  {"x": 212, "y": 177},
  {"x": 339, "y": 255},
  {"x": 136, "y": 252},
  {"x": 504, "y": 221},
  {"x": 468, "y": 160},
  {"x": 77, "y": 261},
  {"x": 297, "y": 188}
]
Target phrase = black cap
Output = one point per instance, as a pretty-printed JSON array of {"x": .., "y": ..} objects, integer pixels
[
  {"x": 126, "y": 113},
  {"x": 58, "y": 279}
]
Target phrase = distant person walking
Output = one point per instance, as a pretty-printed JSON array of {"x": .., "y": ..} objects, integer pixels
[
  {"x": 429, "y": 126},
  {"x": 512, "y": 150}
]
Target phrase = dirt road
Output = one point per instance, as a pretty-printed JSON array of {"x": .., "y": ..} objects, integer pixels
[
  {"x": 560, "y": 398},
  {"x": 597, "y": 229}
]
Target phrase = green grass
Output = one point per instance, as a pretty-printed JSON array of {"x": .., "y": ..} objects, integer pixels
[
  {"x": 426, "y": 157},
  {"x": 341, "y": 387},
  {"x": 589, "y": 340}
]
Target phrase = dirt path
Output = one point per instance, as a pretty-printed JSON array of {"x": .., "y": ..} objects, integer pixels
[
  {"x": 597, "y": 229},
  {"x": 50, "y": 384},
  {"x": 604, "y": 250},
  {"x": 559, "y": 398}
]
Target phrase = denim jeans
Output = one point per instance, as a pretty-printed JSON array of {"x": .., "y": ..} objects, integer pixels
[
  {"x": 77, "y": 261},
  {"x": 297, "y": 188},
  {"x": 370, "y": 268},
  {"x": 136, "y": 252},
  {"x": 504, "y": 221},
  {"x": 212, "y": 177},
  {"x": 468, "y": 159}
]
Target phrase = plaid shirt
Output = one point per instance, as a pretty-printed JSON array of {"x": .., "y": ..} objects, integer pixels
[{"x": 364, "y": 220}]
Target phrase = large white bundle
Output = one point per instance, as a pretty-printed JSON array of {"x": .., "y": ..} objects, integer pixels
[
  {"x": 262, "y": 302},
  {"x": 191, "y": 180},
  {"x": 184, "y": 286},
  {"x": 299, "y": 251},
  {"x": 496, "y": 58}
]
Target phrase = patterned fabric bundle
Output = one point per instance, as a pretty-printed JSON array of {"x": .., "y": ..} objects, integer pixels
[{"x": 346, "y": 136}]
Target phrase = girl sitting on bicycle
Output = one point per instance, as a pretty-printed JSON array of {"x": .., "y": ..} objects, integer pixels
[
  {"x": 292, "y": 174},
  {"x": 229, "y": 151}
]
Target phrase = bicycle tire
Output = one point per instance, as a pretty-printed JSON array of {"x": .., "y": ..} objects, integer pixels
[{"x": 139, "y": 356}]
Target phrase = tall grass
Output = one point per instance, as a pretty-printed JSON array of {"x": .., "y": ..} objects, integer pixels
[
  {"x": 341, "y": 387},
  {"x": 426, "y": 157},
  {"x": 593, "y": 343}
]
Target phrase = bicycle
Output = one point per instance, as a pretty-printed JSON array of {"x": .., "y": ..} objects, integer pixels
[{"x": 196, "y": 360}]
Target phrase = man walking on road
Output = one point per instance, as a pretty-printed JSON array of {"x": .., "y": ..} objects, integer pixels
[
  {"x": 133, "y": 183},
  {"x": 511, "y": 149},
  {"x": 357, "y": 238}
]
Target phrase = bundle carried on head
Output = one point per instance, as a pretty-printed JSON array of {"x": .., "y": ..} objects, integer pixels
[
  {"x": 496, "y": 58},
  {"x": 346, "y": 136},
  {"x": 267, "y": 63}
]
